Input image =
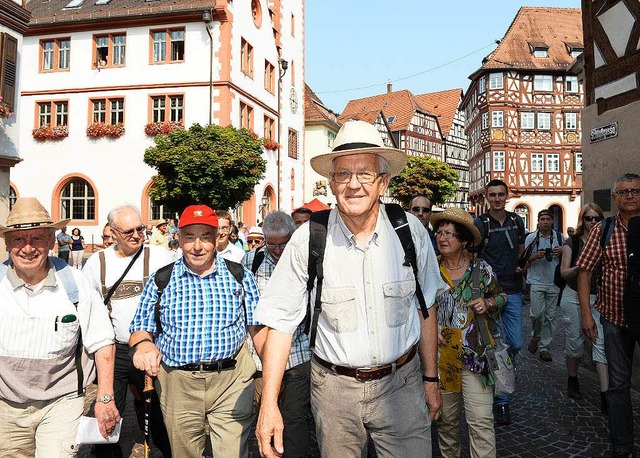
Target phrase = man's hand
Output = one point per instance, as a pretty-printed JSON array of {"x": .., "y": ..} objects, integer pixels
[
  {"x": 535, "y": 256},
  {"x": 107, "y": 416},
  {"x": 269, "y": 426},
  {"x": 147, "y": 358},
  {"x": 589, "y": 327},
  {"x": 434, "y": 399}
]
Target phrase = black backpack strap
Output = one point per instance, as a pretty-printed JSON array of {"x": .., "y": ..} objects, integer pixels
[
  {"x": 237, "y": 270},
  {"x": 607, "y": 230},
  {"x": 257, "y": 261},
  {"x": 398, "y": 219},
  {"x": 161, "y": 280},
  {"x": 317, "y": 242},
  {"x": 575, "y": 246}
]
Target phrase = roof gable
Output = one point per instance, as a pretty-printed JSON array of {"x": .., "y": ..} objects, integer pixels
[
  {"x": 315, "y": 110},
  {"x": 443, "y": 105}
]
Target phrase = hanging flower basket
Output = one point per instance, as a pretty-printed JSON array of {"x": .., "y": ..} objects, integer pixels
[
  {"x": 157, "y": 128},
  {"x": 4, "y": 110},
  {"x": 99, "y": 129},
  {"x": 270, "y": 145},
  {"x": 46, "y": 132}
]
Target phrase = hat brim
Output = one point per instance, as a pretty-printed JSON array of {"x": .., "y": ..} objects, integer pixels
[
  {"x": 473, "y": 230},
  {"x": 59, "y": 225},
  {"x": 396, "y": 158}
]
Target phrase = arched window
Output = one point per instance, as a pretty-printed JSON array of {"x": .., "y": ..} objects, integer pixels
[
  {"x": 158, "y": 211},
  {"x": 78, "y": 200},
  {"x": 13, "y": 196},
  {"x": 523, "y": 212}
]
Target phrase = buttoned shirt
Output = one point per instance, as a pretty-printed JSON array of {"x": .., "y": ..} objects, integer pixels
[
  {"x": 370, "y": 312},
  {"x": 37, "y": 347},
  {"x": 613, "y": 262},
  {"x": 203, "y": 318},
  {"x": 300, "y": 352},
  {"x": 541, "y": 271},
  {"x": 232, "y": 253}
]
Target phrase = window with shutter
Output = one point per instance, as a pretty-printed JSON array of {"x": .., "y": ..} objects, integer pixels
[{"x": 8, "y": 70}]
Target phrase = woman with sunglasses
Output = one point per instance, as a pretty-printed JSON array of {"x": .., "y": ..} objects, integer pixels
[{"x": 590, "y": 215}]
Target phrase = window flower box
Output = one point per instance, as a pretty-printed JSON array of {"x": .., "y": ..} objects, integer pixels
[
  {"x": 99, "y": 130},
  {"x": 270, "y": 145},
  {"x": 162, "y": 128},
  {"x": 4, "y": 110},
  {"x": 47, "y": 132}
]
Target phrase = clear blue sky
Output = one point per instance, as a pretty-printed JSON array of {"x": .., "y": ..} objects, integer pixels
[{"x": 356, "y": 43}]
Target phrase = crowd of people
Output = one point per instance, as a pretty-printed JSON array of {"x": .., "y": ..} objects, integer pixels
[{"x": 374, "y": 320}]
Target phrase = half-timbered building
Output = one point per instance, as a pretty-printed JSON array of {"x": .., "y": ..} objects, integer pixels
[
  {"x": 612, "y": 93},
  {"x": 446, "y": 106},
  {"x": 523, "y": 117}
]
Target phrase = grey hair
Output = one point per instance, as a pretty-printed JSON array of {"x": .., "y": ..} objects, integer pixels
[
  {"x": 625, "y": 177},
  {"x": 278, "y": 224},
  {"x": 113, "y": 214},
  {"x": 383, "y": 165}
]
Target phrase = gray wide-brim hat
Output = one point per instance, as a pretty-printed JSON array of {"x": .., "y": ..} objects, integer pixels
[
  {"x": 359, "y": 137},
  {"x": 28, "y": 213}
]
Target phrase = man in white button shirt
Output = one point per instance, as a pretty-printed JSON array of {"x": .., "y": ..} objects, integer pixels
[
  {"x": 226, "y": 249},
  {"x": 366, "y": 378}
]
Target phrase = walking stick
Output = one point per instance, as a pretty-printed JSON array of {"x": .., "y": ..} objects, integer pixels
[{"x": 148, "y": 390}]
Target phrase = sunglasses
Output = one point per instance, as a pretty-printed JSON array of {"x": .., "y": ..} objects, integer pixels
[
  {"x": 251, "y": 242},
  {"x": 129, "y": 233},
  {"x": 591, "y": 219},
  {"x": 424, "y": 209}
]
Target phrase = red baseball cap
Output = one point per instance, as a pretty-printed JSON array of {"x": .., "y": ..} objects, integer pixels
[{"x": 198, "y": 214}]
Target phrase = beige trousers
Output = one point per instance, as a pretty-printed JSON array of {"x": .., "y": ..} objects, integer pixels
[
  {"x": 224, "y": 400},
  {"x": 478, "y": 410},
  {"x": 44, "y": 429}
]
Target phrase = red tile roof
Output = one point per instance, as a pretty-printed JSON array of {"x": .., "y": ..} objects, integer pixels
[
  {"x": 556, "y": 28},
  {"x": 443, "y": 104},
  {"x": 401, "y": 104},
  {"x": 314, "y": 109}
]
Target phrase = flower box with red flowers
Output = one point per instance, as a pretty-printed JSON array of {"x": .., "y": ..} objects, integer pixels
[
  {"x": 100, "y": 129},
  {"x": 271, "y": 145},
  {"x": 47, "y": 132},
  {"x": 162, "y": 128}
]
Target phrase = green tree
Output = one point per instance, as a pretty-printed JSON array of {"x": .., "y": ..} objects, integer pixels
[
  {"x": 212, "y": 165},
  {"x": 424, "y": 176}
]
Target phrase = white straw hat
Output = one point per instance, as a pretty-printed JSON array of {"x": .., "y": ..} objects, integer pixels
[{"x": 28, "y": 213}]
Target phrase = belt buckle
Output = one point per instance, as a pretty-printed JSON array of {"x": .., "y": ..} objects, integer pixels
[{"x": 358, "y": 378}]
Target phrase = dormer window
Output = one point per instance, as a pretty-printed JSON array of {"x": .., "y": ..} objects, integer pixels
[
  {"x": 574, "y": 49},
  {"x": 539, "y": 49}
]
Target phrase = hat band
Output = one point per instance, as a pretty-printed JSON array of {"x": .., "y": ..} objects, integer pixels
[
  {"x": 354, "y": 145},
  {"x": 29, "y": 225}
]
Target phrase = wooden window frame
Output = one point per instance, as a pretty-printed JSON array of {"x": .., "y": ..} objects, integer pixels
[
  {"x": 269, "y": 130},
  {"x": 246, "y": 58},
  {"x": 499, "y": 161},
  {"x": 533, "y": 120},
  {"x": 539, "y": 115},
  {"x": 574, "y": 79},
  {"x": 482, "y": 85},
  {"x": 110, "y": 53},
  {"x": 88, "y": 185},
  {"x": 56, "y": 55},
  {"x": 167, "y": 56},
  {"x": 108, "y": 110},
  {"x": 553, "y": 158},
  {"x": 485, "y": 120},
  {"x": 246, "y": 114},
  {"x": 293, "y": 141},
  {"x": 493, "y": 79},
  {"x": 8, "y": 69},
  {"x": 167, "y": 107},
  {"x": 53, "y": 114},
  {"x": 543, "y": 78},
  {"x": 539, "y": 159},
  {"x": 269, "y": 77},
  {"x": 495, "y": 117},
  {"x": 566, "y": 123}
]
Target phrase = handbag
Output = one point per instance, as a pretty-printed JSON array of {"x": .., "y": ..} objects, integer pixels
[{"x": 497, "y": 353}]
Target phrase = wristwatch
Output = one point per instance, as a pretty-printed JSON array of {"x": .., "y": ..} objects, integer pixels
[{"x": 105, "y": 398}]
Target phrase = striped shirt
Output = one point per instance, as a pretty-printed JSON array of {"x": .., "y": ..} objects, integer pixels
[
  {"x": 300, "y": 352},
  {"x": 614, "y": 270},
  {"x": 203, "y": 318}
]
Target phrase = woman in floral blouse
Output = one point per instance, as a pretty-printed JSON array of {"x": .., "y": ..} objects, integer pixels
[{"x": 464, "y": 373}]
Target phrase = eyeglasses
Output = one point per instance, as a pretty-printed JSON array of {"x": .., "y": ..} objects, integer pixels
[
  {"x": 597, "y": 219},
  {"x": 273, "y": 246},
  {"x": 627, "y": 192},
  {"x": 424, "y": 209},
  {"x": 446, "y": 234},
  {"x": 362, "y": 177},
  {"x": 129, "y": 233},
  {"x": 224, "y": 230},
  {"x": 105, "y": 236},
  {"x": 254, "y": 241}
]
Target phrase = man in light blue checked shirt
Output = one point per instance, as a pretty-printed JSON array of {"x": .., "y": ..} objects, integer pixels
[
  {"x": 204, "y": 369},
  {"x": 294, "y": 401}
]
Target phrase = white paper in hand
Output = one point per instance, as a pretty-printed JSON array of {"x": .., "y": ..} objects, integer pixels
[{"x": 89, "y": 432}]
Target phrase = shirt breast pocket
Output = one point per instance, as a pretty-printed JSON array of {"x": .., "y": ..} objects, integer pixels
[
  {"x": 339, "y": 309},
  {"x": 397, "y": 301}
]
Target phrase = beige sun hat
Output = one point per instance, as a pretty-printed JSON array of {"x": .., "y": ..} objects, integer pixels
[
  {"x": 460, "y": 216},
  {"x": 28, "y": 213},
  {"x": 359, "y": 137}
]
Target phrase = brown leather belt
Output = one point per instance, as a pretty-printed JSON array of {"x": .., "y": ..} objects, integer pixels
[{"x": 370, "y": 373}]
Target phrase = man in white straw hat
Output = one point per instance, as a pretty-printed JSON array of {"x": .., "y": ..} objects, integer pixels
[
  {"x": 366, "y": 377},
  {"x": 51, "y": 320}
]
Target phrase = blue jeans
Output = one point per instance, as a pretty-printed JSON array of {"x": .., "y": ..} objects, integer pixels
[
  {"x": 618, "y": 346},
  {"x": 511, "y": 329}
]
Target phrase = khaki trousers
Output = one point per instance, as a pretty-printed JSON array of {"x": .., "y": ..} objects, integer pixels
[
  {"x": 392, "y": 410},
  {"x": 478, "y": 410},
  {"x": 44, "y": 429},
  {"x": 224, "y": 399}
]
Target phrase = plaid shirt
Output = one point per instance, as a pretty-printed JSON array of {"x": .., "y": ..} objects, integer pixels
[
  {"x": 300, "y": 352},
  {"x": 203, "y": 318},
  {"x": 614, "y": 270}
]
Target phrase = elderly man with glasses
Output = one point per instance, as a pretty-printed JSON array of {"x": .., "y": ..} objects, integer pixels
[
  {"x": 255, "y": 238},
  {"x": 119, "y": 272}
]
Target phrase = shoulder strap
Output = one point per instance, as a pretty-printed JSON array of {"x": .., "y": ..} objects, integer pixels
[
  {"x": 257, "y": 261},
  {"x": 163, "y": 274},
  {"x": 517, "y": 221},
  {"x": 486, "y": 222},
  {"x": 103, "y": 273},
  {"x": 558, "y": 238},
  {"x": 317, "y": 242},
  {"x": 113, "y": 288},
  {"x": 145, "y": 266},
  {"x": 236, "y": 269},
  {"x": 398, "y": 218},
  {"x": 481, "y": 320},
  {"x": 575, "y": 246},
  {"x": 607, "y": 230}
]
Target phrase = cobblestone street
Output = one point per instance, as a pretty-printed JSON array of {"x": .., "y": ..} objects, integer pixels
[{"x": 545, "y": 421}]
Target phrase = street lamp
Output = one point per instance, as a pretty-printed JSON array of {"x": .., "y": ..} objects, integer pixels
[
  {"x": 207, "y": 18},
  {"x": 264, "y": 206},
  {"x": 283, "y": 65}
]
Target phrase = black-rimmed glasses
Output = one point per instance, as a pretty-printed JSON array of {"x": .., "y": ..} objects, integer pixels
[
  {"x": 592, "y": 219},
  {"x": 424, "y": 209}
]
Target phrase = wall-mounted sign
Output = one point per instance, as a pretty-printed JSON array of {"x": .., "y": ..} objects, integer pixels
[{"x": 603, "y": 133}]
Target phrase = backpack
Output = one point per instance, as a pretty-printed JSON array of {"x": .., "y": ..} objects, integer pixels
[
  {"x": 557, "y": 277},
  {"x": 71, "y": 288},
  {"x": 257, "y": 261},
  {"x": 317, "y": 242},
  {"x": 163, "y": 275},
  {"x": 486, "y": 222}
]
